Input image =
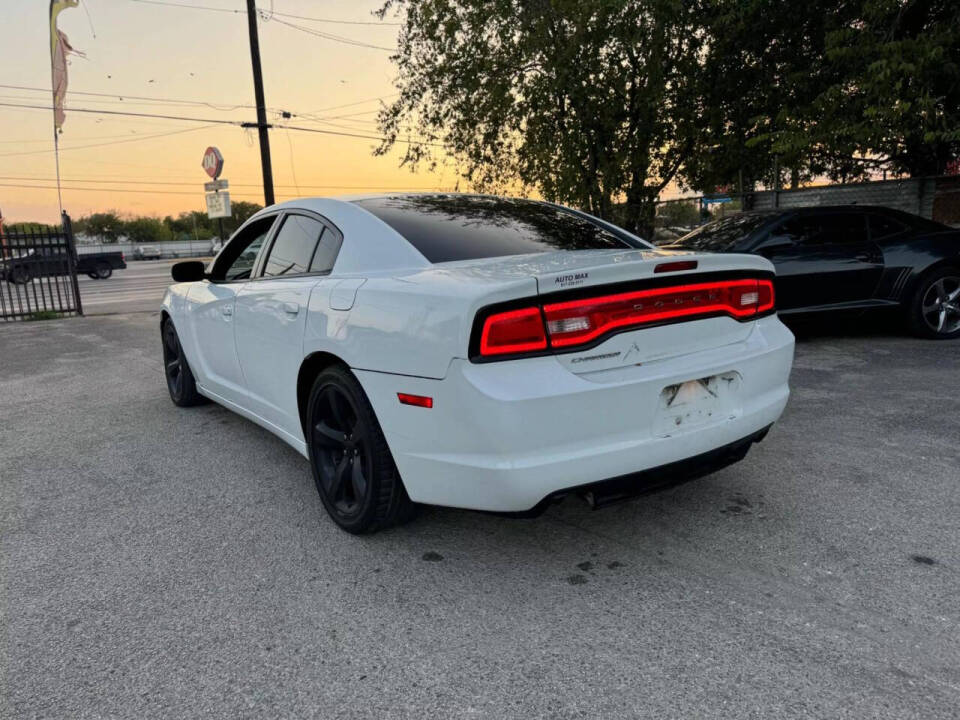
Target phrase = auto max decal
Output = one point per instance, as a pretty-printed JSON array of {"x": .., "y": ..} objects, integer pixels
[{"x": 571, "y": 279}]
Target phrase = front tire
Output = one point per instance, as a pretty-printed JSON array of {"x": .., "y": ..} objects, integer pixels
[
  {"x": 180, "y": 381},
  {"x": 935, "y": 306},
  {"x": 353, "y": 469}
]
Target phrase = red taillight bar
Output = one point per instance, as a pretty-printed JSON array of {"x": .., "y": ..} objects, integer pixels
[
  {"x": 581, "y": 321},
  {"x": 578, "y": 322}
]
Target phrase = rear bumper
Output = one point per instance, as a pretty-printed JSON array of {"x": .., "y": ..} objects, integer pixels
[
  {"x": 608, "y": 492},
  {"x": 506, "y": 436}
]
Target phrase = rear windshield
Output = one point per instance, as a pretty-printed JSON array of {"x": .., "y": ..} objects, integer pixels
[
  {"x": 445, "y": 228},
  {"x": 721, "y": 235}
]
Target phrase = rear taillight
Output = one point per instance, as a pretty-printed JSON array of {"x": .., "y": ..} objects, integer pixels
[
  {"x": 567, "y": 325},
  {"x": 514, "y": 331}
]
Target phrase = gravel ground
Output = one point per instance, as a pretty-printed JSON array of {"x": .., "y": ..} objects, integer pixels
[{"x": 158, "y": 562}]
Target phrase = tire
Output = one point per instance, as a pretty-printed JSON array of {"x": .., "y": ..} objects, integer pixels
[
  {"x": 180, "y": 381},
  {"x": 353, "y": 469},
  {"x": 103, "y": 271},
  {"x": 92, "y": 276},
  {"x": 20, "y": 275},
  {"x": 934, "y": 310}
]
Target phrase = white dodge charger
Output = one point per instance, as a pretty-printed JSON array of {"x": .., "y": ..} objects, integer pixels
[{"x": 477, "y": 352}]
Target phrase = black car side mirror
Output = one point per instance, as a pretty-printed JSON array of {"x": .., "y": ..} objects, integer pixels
[{"x": 189, "y": 271}]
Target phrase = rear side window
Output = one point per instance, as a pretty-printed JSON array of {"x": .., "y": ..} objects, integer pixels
[
  {"x": 294, "y": 247},
  {"x": 445, "y": 228},
  {"x": 828, "y": 229},
  {"x": 882, "y": 226}
]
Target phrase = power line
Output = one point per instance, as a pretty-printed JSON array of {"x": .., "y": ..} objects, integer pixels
[
  {"x": 105, "y": 144},
  {"x": 123, "y": 190},
  {"x": 212, "y": 121},
  {"x": 238, "y": 123},
  {"x": 186, "y": 192},
  {"x": 194, "y": 183},
  {"x": 123, "y": 97},
  {"x": 350, "y": 104},
  {"x": 268, "y": 12},
  {"x": 329, "y": 36}
]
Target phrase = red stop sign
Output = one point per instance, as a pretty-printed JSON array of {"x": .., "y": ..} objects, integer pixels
[{"x": 213, "y": 162}]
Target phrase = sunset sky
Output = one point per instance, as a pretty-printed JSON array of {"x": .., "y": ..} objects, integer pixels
[{"x": 193, "y": 56}]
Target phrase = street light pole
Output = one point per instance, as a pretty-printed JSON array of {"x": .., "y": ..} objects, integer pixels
[{"x": 262, "y": 126}]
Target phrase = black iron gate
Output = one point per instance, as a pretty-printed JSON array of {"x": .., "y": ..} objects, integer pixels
[{"x": 38, "y": 274}]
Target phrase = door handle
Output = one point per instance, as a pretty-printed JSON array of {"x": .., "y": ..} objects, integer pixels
[
  {"x": 228, "y": 310},
  {"x": 291, "y": 308}
]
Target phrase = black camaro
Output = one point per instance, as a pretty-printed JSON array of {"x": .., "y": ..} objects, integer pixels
[{"x": 849, "y": 257}]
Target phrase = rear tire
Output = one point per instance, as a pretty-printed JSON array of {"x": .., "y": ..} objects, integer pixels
[
  {"x": 180, "y": 381},
  {"x": 353, "y": 469},
  {"x": 20, "y": 275},
  {"x": 103, "y": 271},
  {"x": 934, "y": 310}
]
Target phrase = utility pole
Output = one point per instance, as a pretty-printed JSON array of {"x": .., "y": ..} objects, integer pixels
[{"x": 262, "y": 126}]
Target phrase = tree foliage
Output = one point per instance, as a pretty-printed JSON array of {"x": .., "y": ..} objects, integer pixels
[
  {"x": 109, "y": 227},
  {"x": 588, "y": 101},
  {"x": 601, "y": 103},
  {"x": 894, "y": 99}
]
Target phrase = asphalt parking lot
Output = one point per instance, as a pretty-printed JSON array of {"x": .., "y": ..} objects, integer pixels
[{"x": 159, "y": 562}]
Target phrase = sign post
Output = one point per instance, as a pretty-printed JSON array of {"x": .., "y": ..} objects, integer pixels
[{"x": 218, "y": 203}]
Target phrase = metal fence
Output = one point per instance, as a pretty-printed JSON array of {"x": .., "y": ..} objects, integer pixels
[
  {"x": 38, "y": 275},
  {"x": 151, "y": 251}
]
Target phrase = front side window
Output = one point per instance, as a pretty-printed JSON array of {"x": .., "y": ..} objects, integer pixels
[
  {"x": 238, "y": 257},
  {"x": 722, "y": 235},
  {"x": 294, "y": 246}
]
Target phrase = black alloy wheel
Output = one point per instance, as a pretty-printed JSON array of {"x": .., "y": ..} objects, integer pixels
[
  {"x": 342, "y": 447},
  {"x": 936, "y": 307},
  {"x": 352, "y": 466},
  {"x": 180, "y": 381}
]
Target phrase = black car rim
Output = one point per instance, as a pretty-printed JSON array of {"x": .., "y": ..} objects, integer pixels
[
  {"x": 941, "y": 305},
  {"x": 172, "y": 360},
  {"x": 339, "y": 449}
]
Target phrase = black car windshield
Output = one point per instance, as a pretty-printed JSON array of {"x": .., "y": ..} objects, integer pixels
[
  {"x": 445, "y": 228},
  {"x": 720, "y": 235}
]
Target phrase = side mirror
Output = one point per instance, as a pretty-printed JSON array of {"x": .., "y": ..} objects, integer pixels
[{"x": 189, "y": 271}]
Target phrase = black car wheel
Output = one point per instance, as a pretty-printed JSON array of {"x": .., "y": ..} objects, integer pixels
[
  {"x": 180, "y": 380},
  {"x": 20, "y": 275},
  {"x": 103, "y": 270},
  {"x": 935, "y": 311},
  {"x": 355, "y": 475}
]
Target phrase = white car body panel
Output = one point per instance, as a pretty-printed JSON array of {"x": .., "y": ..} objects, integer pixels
[{"x": 503, "y": 435}]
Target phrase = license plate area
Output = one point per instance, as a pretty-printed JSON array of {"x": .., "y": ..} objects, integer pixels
[{"x": 696, "y": 403}]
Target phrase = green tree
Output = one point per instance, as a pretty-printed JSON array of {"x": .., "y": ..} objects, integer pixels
[
  {"x": 587, "y": 101},
  {"x": 763, "y": 65},
  {"x": 146, "y": 230},
  {"x": 105, "y": 226},
  {"x": 892, "y": 97}
]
